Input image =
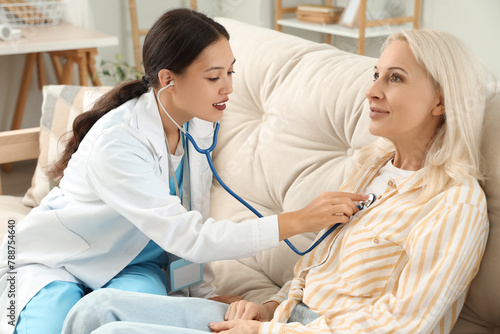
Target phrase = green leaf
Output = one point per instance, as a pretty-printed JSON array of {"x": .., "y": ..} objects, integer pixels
[{"x": 119, "y": 71}]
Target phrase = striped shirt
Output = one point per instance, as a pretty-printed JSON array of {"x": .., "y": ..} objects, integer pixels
[{"x": 397, "y": 267}]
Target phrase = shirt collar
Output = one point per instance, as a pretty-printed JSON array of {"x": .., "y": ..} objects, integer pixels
[{"x": 403, "y": 185}]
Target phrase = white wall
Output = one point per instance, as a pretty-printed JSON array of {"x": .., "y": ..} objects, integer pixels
[
  {"x": 112, "y": 17},
  {"x": 475, "y": 22}
]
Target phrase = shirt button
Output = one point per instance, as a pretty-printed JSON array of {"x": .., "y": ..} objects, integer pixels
[
  {"x": 376, "y": 240},
  {"x": 390, "y": 183}
]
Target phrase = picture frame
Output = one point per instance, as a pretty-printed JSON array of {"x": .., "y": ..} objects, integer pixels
[{"x": 350, "y": 14}]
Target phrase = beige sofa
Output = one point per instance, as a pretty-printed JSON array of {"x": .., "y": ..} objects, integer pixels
[{"x": 297, "y": 116}]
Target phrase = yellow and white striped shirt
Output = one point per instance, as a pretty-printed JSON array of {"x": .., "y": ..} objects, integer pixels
[{"x": 397, "y": 267}]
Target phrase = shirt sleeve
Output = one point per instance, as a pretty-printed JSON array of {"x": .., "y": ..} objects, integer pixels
[
  {"x": 122, "y": 171},
  {"x": 281, "y": 295},
  {"x": 444, "y": 252}
]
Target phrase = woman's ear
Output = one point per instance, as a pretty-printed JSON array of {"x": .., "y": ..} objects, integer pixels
[
  {"x": 165, "y": 77},
  {"x": 439, "y": 109}
]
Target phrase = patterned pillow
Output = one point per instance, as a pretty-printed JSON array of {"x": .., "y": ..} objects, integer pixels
[{"x": 61, "y": 104}]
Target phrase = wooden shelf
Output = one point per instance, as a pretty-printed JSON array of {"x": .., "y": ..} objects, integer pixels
[
  {"x": 339, "y": 30},
  {"x": 365, "y": 29}
]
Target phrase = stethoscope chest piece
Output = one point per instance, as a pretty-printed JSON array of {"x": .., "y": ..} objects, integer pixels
[{"x": 367, "y": 203}]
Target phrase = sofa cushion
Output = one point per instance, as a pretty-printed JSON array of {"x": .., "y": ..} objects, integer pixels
[
  {"x": 61, "y": 104},
  {"x": 290, "y": 132},
  {"x": 296, "y": 119},
  {"x": 482, "y": 306}
]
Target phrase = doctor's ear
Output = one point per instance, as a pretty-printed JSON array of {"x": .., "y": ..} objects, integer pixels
[{"x": 165, "y": 77}]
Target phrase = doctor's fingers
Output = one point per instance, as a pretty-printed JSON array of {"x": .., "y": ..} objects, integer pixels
[
  {"x": 348, "y": 198},
  {"x": 324, "y": 206},
  {"x": 349, "y": 208},
  {"x": 344, "y": 204},
  {"x": 352, "y": 196},
  {"x": 342, "y": 212}
]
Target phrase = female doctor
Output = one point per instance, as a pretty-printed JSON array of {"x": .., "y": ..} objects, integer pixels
[{"x": 133, "y": 191}]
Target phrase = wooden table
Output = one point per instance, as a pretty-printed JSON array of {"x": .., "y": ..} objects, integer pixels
[{"x": 74, "y": 44}]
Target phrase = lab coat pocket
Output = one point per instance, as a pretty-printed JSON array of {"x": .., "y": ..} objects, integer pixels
[
  {"x": 368, "y": 262},
  {"x": 42, "y": 238}
]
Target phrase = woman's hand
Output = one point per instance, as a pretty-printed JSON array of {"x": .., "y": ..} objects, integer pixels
[
  {"x": 250, "y": 311},
  {"x": 244, "y": 317},
  {"x": 236, "y": 327},
  {"x": 325, "y": 210}
]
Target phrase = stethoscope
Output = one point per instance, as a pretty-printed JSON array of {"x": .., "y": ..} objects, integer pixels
[{"x": 362, "y": 205}]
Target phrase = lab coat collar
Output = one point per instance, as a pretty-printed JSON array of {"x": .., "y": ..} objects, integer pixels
[{"x": 149, "y": 121}]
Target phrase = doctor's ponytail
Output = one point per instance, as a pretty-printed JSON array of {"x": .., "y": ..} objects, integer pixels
[
  {"x": 84, "y": 122},
  {"x": 174, "y": 41}
]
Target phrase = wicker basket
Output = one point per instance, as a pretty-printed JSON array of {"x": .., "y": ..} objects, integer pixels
[{"x": 30, "y": 13}]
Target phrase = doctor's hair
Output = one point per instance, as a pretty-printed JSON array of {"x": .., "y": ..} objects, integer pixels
[
  {"x": 174, "y": 42},
  {"x": 461, "y": 79}
]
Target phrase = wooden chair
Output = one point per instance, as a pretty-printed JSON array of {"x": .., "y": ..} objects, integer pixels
[
  {"x": 137, "y": 33},
  {"x": 63, "y": 62}
]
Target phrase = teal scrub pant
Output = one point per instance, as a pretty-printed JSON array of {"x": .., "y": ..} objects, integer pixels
[{"x": 46, "y": 311}]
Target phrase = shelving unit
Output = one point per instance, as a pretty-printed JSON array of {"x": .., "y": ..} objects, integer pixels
[
  {"x": 365, "y": 29},
  {"x": 137, "y": 32}
]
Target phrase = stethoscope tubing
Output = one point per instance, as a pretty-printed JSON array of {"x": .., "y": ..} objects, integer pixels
[{"x": 207, "y": 152}]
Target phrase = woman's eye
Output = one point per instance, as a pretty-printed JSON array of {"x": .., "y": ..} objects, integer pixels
[
  {"x": 396, "y": 78},
  {"x": 231, "y": 72},
  {"x": 375, "y": 76},
  {"x": 213, "y": 79}
]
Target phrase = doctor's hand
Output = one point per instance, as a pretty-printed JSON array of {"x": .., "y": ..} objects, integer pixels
[{"x": 324, "y": 211}]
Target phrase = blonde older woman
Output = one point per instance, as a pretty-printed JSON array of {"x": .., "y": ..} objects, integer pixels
[{"x": 401, "y": 266}]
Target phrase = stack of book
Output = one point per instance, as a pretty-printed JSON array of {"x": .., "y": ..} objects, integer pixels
[{"x": 319, "y": 14}]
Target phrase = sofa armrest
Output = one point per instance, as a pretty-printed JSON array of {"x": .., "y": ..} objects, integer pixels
[{"x": 18, "y": 145}]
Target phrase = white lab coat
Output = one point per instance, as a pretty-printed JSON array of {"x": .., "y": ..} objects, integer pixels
[{"x": 113, "y": 199}]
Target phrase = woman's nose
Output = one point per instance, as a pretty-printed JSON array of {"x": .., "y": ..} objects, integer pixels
[{"x": 374, "y": 91}]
